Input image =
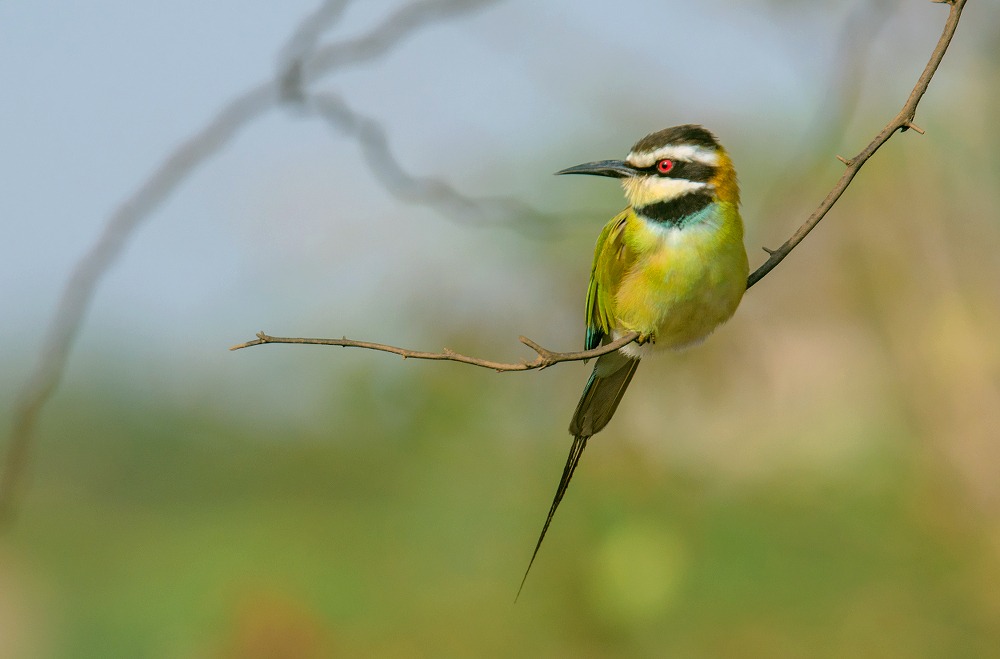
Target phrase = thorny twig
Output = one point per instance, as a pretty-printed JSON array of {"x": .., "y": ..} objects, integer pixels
[
  {"x": 544, "y": 359},
  {"x": 901, "y": 122}
]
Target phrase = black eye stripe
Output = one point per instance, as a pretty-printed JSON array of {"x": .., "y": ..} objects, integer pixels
[{"x": 685, "y": 169}]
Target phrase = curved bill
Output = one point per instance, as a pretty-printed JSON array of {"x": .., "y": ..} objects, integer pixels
[{"x": 612, "y": 168}]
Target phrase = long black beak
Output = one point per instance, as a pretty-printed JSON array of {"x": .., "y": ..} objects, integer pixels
[{"x": 612, "y": 168}]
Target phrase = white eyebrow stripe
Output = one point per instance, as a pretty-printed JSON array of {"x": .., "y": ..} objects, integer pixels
[{"x": 688, "y": 152}]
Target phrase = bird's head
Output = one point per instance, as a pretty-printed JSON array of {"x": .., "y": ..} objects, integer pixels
[{"x": 671, "y": 173}]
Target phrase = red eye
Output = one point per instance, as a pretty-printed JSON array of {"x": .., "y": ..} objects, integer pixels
[{"x": 664, "y": 166}]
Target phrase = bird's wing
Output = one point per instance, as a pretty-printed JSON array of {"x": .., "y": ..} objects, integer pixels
[{"x": 611, "y": 258}]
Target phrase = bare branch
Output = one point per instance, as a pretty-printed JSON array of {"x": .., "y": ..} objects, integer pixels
[
  {"x": 304, "y": 40},
  {"x": 901, "y": 121},
  {"x": 301, "y": 45},
  {"x": 544, "y": 359}
]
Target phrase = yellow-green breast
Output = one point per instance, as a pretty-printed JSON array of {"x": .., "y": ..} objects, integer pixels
[{"x": 684, "y": 280}]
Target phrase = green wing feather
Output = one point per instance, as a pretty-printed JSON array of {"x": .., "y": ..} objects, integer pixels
[{"x": 611, "y": 259}]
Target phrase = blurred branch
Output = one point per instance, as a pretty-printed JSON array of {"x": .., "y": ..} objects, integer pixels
[
  {"x": 79, "y": 291},
  {"x": 901, "y": 122},
  {"x": 434, "y": 192},
  {"x": 306, "y": 36},
  {"x": 301, "y": 58},
  {"x": 385, "y": 36},
  {"x": 544, "y": 359}
]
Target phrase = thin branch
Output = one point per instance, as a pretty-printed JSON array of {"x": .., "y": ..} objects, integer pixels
[
  {"x": 302, "y": 44},
  {"x": 902, "y": 121},
  {"x": 544, "y": 359},
  {"x": 304, "y": 40}
]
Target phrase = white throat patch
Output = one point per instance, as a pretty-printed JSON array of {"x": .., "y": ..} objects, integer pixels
[{"x": 645, "y": 190}]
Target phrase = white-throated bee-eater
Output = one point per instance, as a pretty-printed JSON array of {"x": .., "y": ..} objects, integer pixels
[{"x": 671, "y": 267}]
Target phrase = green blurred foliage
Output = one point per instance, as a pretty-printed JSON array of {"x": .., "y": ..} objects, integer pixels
[{"x": 171, "y": 533}]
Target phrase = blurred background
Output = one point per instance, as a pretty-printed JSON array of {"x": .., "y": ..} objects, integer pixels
[{"x": 820, "y": 478}]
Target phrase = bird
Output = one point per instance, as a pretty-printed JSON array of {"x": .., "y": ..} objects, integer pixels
[{"x": 671, "y": 266}]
